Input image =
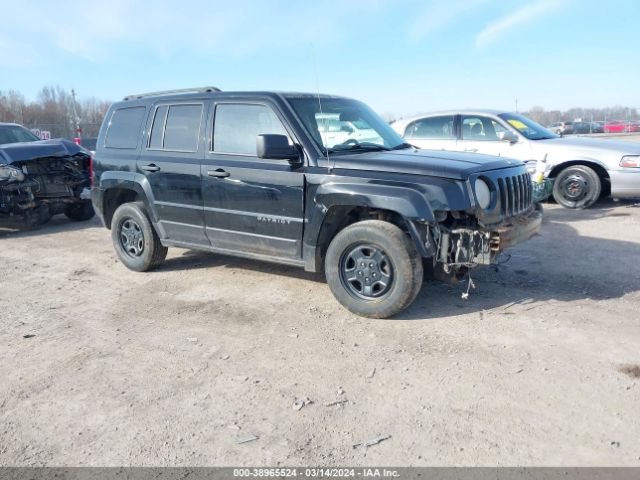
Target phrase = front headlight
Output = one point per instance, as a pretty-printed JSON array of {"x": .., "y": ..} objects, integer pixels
[
  {"x": 483, "y": 194},
  {"x": 9, "y": 173},
  {"x": 630, "y": 161}
]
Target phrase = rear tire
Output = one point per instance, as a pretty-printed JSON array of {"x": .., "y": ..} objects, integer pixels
[
  {"x": 577, "y": 187},
  {"x": 79, "y": 211},
  {"x": 373, "y": 269},
  {"x": 134, "y": 238}
]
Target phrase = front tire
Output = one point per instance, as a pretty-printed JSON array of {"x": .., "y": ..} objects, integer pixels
[
  {"x": 134, "y": 238},
  {"x": 36, "y": 217},
  {"x": 373, "y": 269},
  {"x": 577, "y": 187}
]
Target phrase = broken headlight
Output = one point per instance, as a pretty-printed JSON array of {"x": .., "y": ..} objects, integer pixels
[{"x": 9, "y": 173}]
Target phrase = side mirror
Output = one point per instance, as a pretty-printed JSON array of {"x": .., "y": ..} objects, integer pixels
[
  {"x": 508, "y": 136},
  {"x": 276, "y": 147}
]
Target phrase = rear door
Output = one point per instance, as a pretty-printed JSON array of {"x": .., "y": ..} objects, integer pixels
[
  {"x": 251, "y": 204},
  {"x": 434, "y": 133},
  {"x": 170, "y": 161}
]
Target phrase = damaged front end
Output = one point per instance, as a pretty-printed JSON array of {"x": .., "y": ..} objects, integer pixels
[
  {"x": 460, "y": 241},
  {"x": 41, "y": 179}
]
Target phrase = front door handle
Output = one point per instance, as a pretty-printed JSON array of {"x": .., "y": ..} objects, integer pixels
[
  {"x": 150, "y": 168},
  {"x": 219, "y": 173}
]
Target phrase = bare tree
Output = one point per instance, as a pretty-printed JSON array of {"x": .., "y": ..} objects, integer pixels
[{"x": 53, "y": 111}]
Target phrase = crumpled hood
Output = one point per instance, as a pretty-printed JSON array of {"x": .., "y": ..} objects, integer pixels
[
  {"x": 435, "y": 163},
  {"x": 20, "y": 152}
]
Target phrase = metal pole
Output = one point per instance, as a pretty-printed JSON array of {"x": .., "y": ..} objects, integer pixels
[{"x": 75, "y": 113}]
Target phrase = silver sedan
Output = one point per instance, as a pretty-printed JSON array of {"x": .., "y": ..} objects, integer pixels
[{"x": 583, "y": 169}]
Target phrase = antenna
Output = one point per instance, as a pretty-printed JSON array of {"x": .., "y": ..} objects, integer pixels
[{"x": 315, "y": 69}]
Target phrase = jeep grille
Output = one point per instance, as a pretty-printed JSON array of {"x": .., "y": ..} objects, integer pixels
[{"x": 516, "y": 194}]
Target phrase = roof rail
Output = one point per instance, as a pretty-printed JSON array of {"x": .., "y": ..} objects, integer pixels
[{"x": 168, "y": 92}]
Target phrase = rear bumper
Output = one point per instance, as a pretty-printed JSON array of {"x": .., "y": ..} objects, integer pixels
[
  {"x": 625, "y": 183},
  {"x": 520, "y": 230}
]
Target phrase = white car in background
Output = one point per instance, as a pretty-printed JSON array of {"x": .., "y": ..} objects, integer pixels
[
  {"x": 582, "y": 168},
  {"x": 336, "y": 130}
]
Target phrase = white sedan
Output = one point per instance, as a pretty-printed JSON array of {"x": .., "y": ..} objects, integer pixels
[{"x": 583, "y": 169}]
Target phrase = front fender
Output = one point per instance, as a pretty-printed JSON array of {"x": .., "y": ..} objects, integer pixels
[
  {"x": 409, "y": 203},
  {"x": 406, "y": 202}
]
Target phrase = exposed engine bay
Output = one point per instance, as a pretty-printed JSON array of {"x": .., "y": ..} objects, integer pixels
[{"x": 42, "y": 179}]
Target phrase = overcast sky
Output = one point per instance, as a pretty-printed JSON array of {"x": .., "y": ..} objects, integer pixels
[{"x": 400, "y": 57}]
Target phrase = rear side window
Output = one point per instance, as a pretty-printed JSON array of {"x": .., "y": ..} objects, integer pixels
[
  {"x": 436, "y": 128},
  {"x": 124, "y": 128},
  {"x": 176, "y": 127},
  {"x": 157, "y": 130},
  {"x": 237, "y": 126}
]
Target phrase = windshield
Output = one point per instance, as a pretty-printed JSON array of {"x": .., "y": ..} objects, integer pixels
[
  {"x": 15, "y": 134},
  {"x": 527, "y": 127},
  {"x": 342, "y": 125}
]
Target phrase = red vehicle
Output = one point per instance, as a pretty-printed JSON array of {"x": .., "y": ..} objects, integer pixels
[{"x": 616, "y": 126}]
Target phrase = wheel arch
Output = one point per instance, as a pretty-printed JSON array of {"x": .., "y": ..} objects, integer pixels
[
  {"x": 338, "y": 206},
  {"x": 596, "y": 166},
  {"x": 118, "y": 190}
]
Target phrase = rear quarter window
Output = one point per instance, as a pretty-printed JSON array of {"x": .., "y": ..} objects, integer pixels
[{"x": 124, "y": 128}]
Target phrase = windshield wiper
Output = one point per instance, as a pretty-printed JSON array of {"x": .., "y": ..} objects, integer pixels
[
  {"x": 402, "y": 146},
  {"x": 358, "y": 146}
]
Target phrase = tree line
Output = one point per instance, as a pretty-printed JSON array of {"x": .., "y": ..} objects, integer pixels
[{"x": 55, "y": 110}]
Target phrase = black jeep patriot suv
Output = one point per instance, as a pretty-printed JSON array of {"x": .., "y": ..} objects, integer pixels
[{"x": 317, "y": 181}]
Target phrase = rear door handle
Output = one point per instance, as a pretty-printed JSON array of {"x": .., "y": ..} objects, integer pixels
[
  {"x": 219, "y": 173},
  {"x": 150, "y": 168}
]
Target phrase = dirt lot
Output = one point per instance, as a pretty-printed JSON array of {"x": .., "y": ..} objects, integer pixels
[{"x": 103, "y": 366}]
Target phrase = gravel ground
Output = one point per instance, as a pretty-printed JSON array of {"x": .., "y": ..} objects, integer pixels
[{"x": 213, "y": 360}]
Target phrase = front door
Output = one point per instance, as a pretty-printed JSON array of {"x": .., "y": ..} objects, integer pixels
[
  {"x": 479, "y": 134},
  {"x": 251, "y": 204}
]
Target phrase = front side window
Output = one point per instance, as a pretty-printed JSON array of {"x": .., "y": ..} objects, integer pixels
[
  {"x": 432, "y": 128},
  {"x": 236, "y": 127},
  {"x": 124, "y": 128},
  {"x": 479, "y": 128}
]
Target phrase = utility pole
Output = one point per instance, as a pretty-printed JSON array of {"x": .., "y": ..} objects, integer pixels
[
  {"x": 516, "y": 104},
  {"x": 78, "y": 130}
]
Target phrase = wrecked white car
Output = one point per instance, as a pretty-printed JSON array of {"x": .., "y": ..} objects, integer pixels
[{"x": 39, "y": 179}]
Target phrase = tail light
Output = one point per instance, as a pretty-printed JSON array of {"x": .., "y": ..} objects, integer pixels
[{"x": 91, "y": 170}]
